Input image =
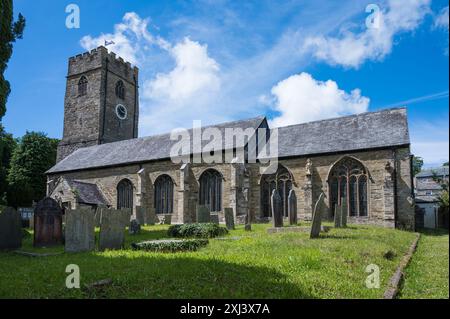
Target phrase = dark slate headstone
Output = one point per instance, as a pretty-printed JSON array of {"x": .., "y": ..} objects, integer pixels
[
  {"x": 112, "y": 228},
  {"x": 277, "y": 209},
  {"x": 344, "y": 213},
  {"x": 135, "y": 227},
  {"x": 203, "y": 214},
  {"x": 10, "y": 229},
  {"x": 317, "y": 216},
  {"x": 215, "y": 218},
  {"x": 337, "y": 216},
  {"x": 47, "y": 223},
  {"x": 229, "y": 218},
  {"x": 292, "y": 207},
  {"x": 80, "y": 230}
]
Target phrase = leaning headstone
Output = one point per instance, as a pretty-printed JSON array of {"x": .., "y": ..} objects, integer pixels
[
  {"x": 203, "y": 214},
  {"x": 167, "y": 219},
  {"x": 112, "y": 229},
  {"x": 80, "y": 230},
  {"x": 215, "y": 218},
  {"x": 344, "y": 212},
  {"x": 10, "y": 229},
  {"x": 292, "y": 207},
  {"x": 317, "y": 216},
  {"x": 277, "y": 209},
  {"x": 337, "y": 216},
  {"x": 229, "y": 218},
  {"x": 135, "y": 227},
  {"x": 47, "y": 223}
]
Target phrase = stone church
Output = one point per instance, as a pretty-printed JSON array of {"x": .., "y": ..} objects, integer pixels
[{"x": 364, "y": 159}]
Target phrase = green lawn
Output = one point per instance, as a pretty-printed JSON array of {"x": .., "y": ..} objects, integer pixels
[
  {"x": 427, "y": 274},
  {"x": 246, "y": 265}
]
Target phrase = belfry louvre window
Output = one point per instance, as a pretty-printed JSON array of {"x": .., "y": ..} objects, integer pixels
[
  {"x": 82, "y": 86},
  {"x": 164, "y": 195},
  {"x": 348, "y": 179},
  {"x": 120, "y": 90},
  {"x": 211, "y": 190},
  {"x": 282, "y": 182},
  {"x": 124, "y": 194}
]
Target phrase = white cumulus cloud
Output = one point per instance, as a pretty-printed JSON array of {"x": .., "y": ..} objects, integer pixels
[{"x": 301, "y": 98}]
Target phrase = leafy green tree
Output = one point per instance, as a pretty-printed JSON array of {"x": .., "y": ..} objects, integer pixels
[
  {"x": 445, "y": 164},
  {"x": 417, "y": 165},
  {"x": 9, "y": 32},
  {"x": 33, "y": 156},
  {"x": 7, "y": 145}
]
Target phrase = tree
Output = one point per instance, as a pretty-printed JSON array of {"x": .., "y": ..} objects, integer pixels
[
  {"x": 33, "y": 156},
  {"x": 445, "y": 164},
  {"x": 7, "y": 145},
  {"x": 417, "y": 165},
  {"x": 9, "y": 32}
]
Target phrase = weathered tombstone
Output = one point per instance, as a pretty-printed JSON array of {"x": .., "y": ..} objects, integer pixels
[
  {"x": 317, "y": 216},
  {"x": 344, "y": 212},
  {"x": 203, "y": 214},
  {"x": 167, "y": 219},
  {"x": 80, "y": 230},
  {"x": 10, "y": 229},
  {"x": 47, "y": 223},
  {"x": 112, "y": 228},
  {"x": 140, "y": 215},
  {"x": 337, "y": 216},
  {"x": 229, "y": 218},
  {"x": 248, "y": 221},
  {"x": 215, "y": 218},
  {"x": 135, "y": 227},
  {"x": 292, "y": 207},
  {"x": 277, "y": 209}
]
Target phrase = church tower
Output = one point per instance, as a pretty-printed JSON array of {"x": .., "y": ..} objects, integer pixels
[{"x": 101, "y": 103}]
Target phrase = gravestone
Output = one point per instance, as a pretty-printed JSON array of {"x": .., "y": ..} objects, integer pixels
[
  {"x": 135, "y": 227},
  {"x": 248, "y": 221},
  {"x": 277, "y": 209},
  {"x": 80, "y": 230},
  {"x": 140, "y": 215},
  {"x": 47, "y": 223},
  {"x": 203, "y": 214},
  {"x": 344, "y": 213},
  {"x": 338, "y": 216},
  {"x": 167, "y": 219},
  {"x": 112, "y": 228},
  {"x": 10, "y": 229},
  {"x": 229, "y": 218},
  {"x": 292, "y": 207},
  {"x": 215, "y": 218},
  {"x": 317, "y": 216}
]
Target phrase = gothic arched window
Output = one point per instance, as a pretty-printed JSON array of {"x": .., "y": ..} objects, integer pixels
[
  {"x": 348, "y": 179},
  {"x": 124, "y": 194},
  {"x": 82, "y": 86},
  {"x": 164, "y": 195},
  {"x": 211, "y": 190},
  {"x": 120, "y": 90},
  {"x": 282, "y": 181}
]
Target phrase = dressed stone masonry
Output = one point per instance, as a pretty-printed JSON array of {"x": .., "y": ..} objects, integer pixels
[{"x": 363, "y": 160}]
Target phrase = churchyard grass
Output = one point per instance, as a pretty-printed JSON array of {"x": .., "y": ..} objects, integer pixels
[
  {"x": 238, "y": 265},
  {"x": 427, "y": 274}
]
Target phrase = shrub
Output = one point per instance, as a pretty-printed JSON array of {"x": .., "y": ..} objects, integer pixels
[
  {"x": 199, "y": 230},
  {"x": 170, "y": 245}
]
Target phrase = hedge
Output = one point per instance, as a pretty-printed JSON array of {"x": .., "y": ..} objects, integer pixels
[
  {"x": 170, "y": 245},
  {"x": 198, "y": 230}
]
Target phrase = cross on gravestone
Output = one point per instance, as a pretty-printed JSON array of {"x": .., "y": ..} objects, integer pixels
[
  {"x": 277, "y": 209},
  {"x": 47, "y": 223},
  {"x": 135, "y": 227},
  {"x": 317, "y": 216},
  {"x": 10, "y": 229},
  {"x": 203, "y": 214},
  {"x": 80, "y": 230},
  {"x": 344, "y": 212},
  {"x": 292, "y": 207},
  {"x": 337, "y": 216},
  {"x": 112, "y": 228},
  {"x": 229, "y": 218},
  {"x": 215, "y": 218}
]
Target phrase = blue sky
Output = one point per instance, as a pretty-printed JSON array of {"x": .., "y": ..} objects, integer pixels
[{"x": 294, "y": 61}]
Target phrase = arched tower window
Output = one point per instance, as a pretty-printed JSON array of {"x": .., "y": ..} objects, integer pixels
[
  {"x": 348, "y": 179},
  {"x": 82, "y": 86},
  {"x": 164, "y": 195},
  {"x": 282, "y": 181},
  {"x": 120, "y": 90},
  {"x": 211, "y": 190},
  {"x": 124, "y": 194}
]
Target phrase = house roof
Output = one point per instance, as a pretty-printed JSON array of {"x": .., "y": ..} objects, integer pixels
[
  {"x": 439, "y": 171},
  {"x": 386, "y": 128},
  {"x": 87, "y": 193}
]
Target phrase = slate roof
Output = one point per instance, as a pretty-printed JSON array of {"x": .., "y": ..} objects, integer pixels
[
  {"x": 439, "y": 171},
  {"x": 386, "y": 128},
  {"x": 87, "y": 193}
]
